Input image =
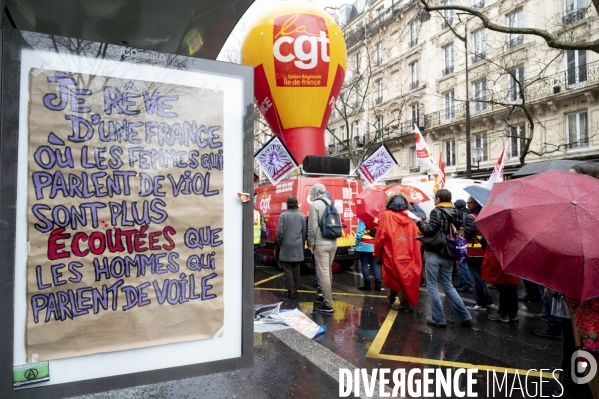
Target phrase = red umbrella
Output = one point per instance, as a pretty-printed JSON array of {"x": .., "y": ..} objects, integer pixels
[
  {"x": 370, "y": 204},
  {"x": 544, "y": 229},
  {"x": 414, "y": 195}
]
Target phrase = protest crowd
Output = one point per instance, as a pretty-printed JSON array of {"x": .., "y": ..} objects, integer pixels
[{"x": 406, "y": 249}]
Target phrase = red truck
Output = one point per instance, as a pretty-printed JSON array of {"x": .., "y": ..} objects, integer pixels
[{"x": 270, "y": 200}]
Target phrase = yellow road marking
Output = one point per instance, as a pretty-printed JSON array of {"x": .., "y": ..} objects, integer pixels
[
  {"x": 377, "y": 345},
  {"x": 268, "y": 279},
  {"x": 314, "y": 292}
]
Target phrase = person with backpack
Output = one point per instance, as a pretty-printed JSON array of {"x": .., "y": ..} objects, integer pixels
[
  {"x": 324, "y": 227},
  {"x": 365, "y": 247},
  {"x": 439, "y": 261},
  {"x": 476, "y": 253},
  {"x": 395, "y": 243}
]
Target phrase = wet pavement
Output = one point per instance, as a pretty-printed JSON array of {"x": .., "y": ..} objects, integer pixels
[{"x": 364, "y": 333}]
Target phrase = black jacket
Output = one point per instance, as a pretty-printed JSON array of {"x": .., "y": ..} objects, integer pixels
[{"x": 451, "y": 215}]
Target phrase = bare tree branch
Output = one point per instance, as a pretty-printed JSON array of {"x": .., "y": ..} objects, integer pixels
[{"x": 551, "y": 40}]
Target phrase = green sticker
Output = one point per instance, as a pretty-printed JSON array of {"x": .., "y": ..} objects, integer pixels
[{"x": 31, "y": 373}]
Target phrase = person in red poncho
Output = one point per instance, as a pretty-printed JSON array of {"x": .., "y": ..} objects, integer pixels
[{"x": 396, "y": 245}]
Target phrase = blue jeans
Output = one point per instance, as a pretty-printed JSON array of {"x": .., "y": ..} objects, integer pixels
[
  {"x": 439, "y": 267},
  {"x": 554, "y": 324},
  {"x": 465, "y": 280},
  {"x": 368, "y": 258},
  {"x": 483, "y": 296}
]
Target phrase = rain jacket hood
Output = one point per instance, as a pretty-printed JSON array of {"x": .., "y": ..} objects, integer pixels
[
  {"x": 397, "y": 203},
  {"x": 317, "y": 191}
]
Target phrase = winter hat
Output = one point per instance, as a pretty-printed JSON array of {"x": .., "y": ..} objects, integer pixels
[{"x": 460, "y": 204}]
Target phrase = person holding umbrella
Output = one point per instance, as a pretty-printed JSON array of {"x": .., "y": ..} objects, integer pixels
[
  {"x": 396, "y": 245},
  {"x": 555, "y": 248},
  {"x": 439, "y": 262}
]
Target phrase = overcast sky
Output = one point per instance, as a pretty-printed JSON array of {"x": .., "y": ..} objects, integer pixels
[{"x": 231, "y": 50}]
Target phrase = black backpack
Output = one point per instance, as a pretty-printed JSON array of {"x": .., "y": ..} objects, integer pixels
[{"x": 330, "y": 225}]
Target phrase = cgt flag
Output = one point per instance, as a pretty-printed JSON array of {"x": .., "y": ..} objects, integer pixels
[
  {"x": 377, "y": 165},
  {"x": 440, "y": 178},
  {"x": 423, "y": 154},
  {"x": 275, "y": 160},
  {"x": 497, "y": 175}
]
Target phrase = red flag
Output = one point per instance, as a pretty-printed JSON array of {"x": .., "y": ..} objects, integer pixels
[{"x": 440, "y": 177}]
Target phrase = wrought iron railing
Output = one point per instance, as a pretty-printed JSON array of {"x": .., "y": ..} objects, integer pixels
[
  {"x": 479, "y": 107},
  {"x": 447, "y": 70},
  {"x": 359, "y": 141},
  {"x": 478, "y": 57},
  {"x": 571, "y": 17},
  {"x": 447, "y": 23},
  {"x": 533, "y": 90},
  {"x": 479, "y": 6},
  {"x": 515, "y": 42},
  {"x": 414, "y": 85},
  {"x": 360, "y": 33},
  {"x": 354, "y": 37}
]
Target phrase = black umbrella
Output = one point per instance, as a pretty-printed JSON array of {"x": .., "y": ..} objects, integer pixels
[{"x": 544, "y": 166}]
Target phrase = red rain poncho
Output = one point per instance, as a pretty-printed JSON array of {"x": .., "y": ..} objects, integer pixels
[{"x": 396, "y": 245}]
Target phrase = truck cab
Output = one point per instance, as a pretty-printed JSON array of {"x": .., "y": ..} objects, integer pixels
[{"x": 270, "y": 201}]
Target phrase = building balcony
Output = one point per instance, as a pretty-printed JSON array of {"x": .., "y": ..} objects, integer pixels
[
  {"x": 479, "y": 6},
  {"x": 359, "y": 141},
  {"x": 446, "y": 71},
  {"x": 478, "y": 57},
  {"x": 447, "y": 23},
  {"x": 534, "y": 90},
  {"x": 479, "y": 107},
  {"x": 414, "y": 85},
  {"x": 515, "y": 42},
  {"x": 573, "y": 16}
]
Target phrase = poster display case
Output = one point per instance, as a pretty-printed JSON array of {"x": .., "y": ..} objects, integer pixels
[{"x": 127, "y": 254}]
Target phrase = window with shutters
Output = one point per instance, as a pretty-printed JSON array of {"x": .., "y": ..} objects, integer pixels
[
  {"x": 515, "y": 81},
  {"x": 517, "y": 141},
  {"x": 449, "y": 152},
  {"x": 577, "y": 130}
]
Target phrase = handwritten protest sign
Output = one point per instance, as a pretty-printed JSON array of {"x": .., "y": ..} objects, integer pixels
[{"x": 125, "y": 214}]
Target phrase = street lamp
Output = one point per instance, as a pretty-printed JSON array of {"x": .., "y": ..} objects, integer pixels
[{"x": 468, "y": 146}]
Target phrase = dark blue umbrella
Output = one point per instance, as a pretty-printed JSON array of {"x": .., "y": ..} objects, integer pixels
[{"x": 478, "y": 193}]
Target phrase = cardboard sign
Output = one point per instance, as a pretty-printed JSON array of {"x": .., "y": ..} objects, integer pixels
[
  {"x": 125, "y": 248},
  {"x": 275, "y": 160},
  {"x": 377, "y": 165}
]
